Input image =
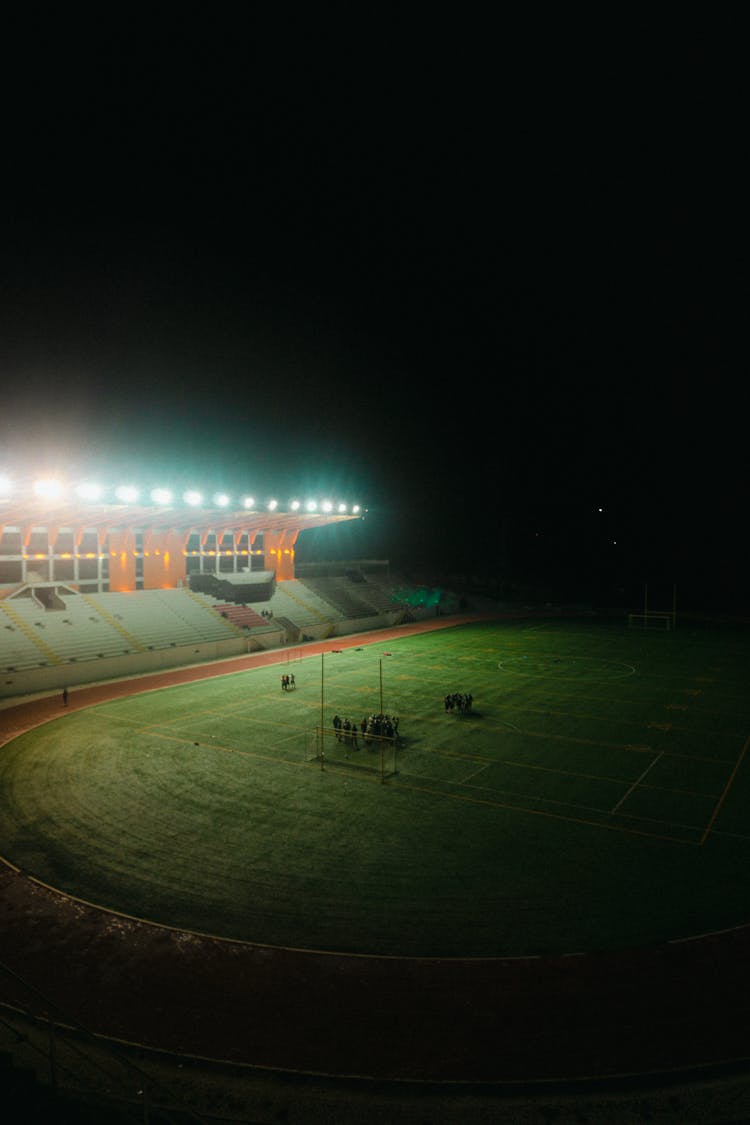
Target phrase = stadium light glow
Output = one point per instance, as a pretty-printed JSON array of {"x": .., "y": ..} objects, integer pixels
[
  {"x": 87, "y": 490},
  {"x": 126, "y": 493},
  {"x": 48, "y": 489},
  {"x": 52, "y": 489}
]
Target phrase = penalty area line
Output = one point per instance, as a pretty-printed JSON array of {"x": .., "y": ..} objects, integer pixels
[
  {"x": 636, "y": 783},
  {"x": 474, "y": 773},
  {"x": 723, "y": 797}
]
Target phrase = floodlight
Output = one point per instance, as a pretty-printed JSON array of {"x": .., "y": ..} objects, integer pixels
[
  {"x": 5, "y": 486},
  {"x": 221, "y": 499},
  {"x": 342, "y": 508},
  {"x": 295, "y": 505},
  {"x": 89, "y": 491},
  {"x": 248, "y": 502},
  {"x": 127, "y": 493},
  {"x": 356, "y": 509},
  {"x": 327, "y": 506},
  {"x": 161, "y": 496},
  {"x": 273, "y": 505},
  {"x": 311, "y": 505},
  {"x": 48, "y": 489},
  {"x": 192, "y": 498}
]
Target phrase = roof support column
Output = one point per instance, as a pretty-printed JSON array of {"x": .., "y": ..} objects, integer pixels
[
  {"x": 164, "y": 565},
  {"x": 122, "y": 560},
  {"x": 278, "y": 547}
]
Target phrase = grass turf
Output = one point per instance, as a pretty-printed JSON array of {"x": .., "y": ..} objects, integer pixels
[{"x": 593, "y": 798}]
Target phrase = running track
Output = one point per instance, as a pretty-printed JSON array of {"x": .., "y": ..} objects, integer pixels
[{"x": 520, "y": 1021}]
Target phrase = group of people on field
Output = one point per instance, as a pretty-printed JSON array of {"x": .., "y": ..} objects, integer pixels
[
  {"x": 458, "y": 701},
  {"x": 372, "y": 726},
  {"x": 287, "y": 683}
]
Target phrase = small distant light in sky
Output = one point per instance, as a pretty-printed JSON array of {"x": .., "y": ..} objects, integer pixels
[
  {"x": 161, "y": 496},
  {"x": 126, "y": 493},
  {"x": 600, "y": 509},
  {"x": 192, "y": 497},
  {"x": 48, "y": 489}
]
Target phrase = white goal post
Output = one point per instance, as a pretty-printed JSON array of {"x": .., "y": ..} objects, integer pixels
[
  {"x": 664, "y": 619},
  {"x": 645, "y": 620}
]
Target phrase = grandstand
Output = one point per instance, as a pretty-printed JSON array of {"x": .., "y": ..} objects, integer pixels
[
  {"x": 54, "y": 636},
  {"x": 92, "y": 590}
]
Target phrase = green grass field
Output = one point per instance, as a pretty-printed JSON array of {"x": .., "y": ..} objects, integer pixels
[{"x": 594, "y": 798}]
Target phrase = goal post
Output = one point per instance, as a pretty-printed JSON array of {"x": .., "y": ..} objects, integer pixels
[
  {"x": 664, "y": 619},
  {"x": 351, "y": 750},
  {"x": 654, "y": 620}
]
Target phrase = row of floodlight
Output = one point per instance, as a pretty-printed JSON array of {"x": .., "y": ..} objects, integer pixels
[{"x": 54, "y": 490}]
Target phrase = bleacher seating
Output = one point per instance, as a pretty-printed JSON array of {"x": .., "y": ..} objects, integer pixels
[
  {"x": 243, "y": 616},
  {"x": 159, "y": 618},
  {"x": 301, "y": 605},
  {"x": 351, "y": 598},
  {"x": 20, "y": 649},
  {"x": 93, "y": 626},
  {"x": 58, "y": 626}
]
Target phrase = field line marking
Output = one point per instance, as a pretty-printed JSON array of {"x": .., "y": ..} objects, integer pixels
[
  {"x": 541, "y": 812},
  {"x": 584, "y": 808},
  {"x": 466, "y": 780},
  {"x": 217, "y": 746},
  {"x": 636, "y": 783},
  {"x": 723, "y": 797}
]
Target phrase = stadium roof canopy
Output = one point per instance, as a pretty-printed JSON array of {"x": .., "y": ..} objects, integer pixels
[
  {"x": 56, "y": 502},
  {"x": 165, "y": 529},
  {"x": 37, "y": 512}
]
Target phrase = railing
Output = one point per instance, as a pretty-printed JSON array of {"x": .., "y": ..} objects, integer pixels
[{"x": 73, "y": 1066}]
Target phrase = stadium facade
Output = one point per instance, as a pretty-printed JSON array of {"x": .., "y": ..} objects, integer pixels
[{"x": 120, "y": 548}]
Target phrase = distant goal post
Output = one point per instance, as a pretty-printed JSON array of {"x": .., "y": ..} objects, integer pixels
[
  {"x": 662, "y": 619},
  {"x": 341, "y": 750}
]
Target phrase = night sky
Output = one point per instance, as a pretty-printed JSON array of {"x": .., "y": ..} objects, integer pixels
[{"x": 483, "y": 289}]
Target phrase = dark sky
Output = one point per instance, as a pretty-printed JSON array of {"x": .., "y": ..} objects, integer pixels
[{"x": 482, "y": 288}]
